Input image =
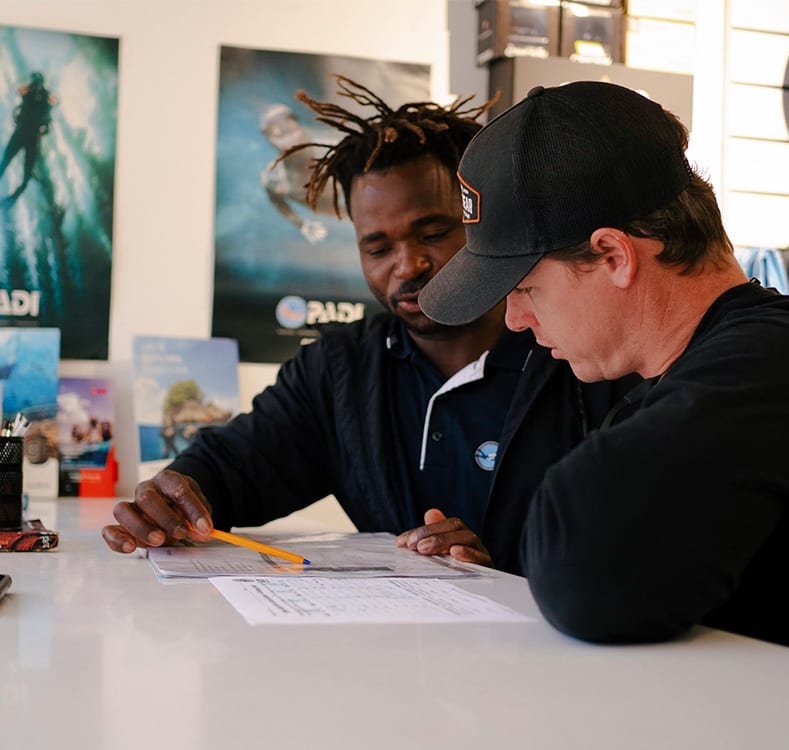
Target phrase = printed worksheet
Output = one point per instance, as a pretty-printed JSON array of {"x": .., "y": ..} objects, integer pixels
[
  {"x": 331, "y": 555},
  {"x": 293, "y": 601}
]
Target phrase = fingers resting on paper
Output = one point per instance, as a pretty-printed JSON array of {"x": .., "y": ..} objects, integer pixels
[
  {"x": 161, "y": 512},
  {"x": 442, "y": 535}
]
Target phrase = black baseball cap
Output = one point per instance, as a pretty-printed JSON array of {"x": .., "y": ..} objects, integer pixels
[{"x": 545, "y": 174}]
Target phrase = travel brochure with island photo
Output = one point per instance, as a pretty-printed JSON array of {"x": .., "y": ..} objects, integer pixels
[{"x": 180, "y": 385}]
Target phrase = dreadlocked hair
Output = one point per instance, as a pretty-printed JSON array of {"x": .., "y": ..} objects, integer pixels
[{"x": 385, "y": 139}]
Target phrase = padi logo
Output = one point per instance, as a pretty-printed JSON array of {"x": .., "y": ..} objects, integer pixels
[
  {"x": 291, "y": 312},
  {"x": 294, "y": 312},
  {"x": 485, "y": 455},
  {"x": 19, "y": 302}
]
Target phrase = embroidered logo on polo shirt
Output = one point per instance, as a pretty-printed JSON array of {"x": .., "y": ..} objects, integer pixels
[
  {"x": 470, "y": 201},
  {"x": 485, "y": 455}
]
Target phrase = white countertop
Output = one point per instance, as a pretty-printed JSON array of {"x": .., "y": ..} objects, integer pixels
[{"x": 96, "y": 653}]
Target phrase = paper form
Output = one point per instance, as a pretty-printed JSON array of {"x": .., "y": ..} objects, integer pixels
[
  {"x": 363, "y": 555},
  {"x": 293, "y": 601}
]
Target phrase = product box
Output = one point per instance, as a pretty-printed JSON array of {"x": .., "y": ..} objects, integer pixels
[
  {"x": 591, "y": 33},
  {"x": 516, "y": 76},
  {"x": 509, "y": 28}
]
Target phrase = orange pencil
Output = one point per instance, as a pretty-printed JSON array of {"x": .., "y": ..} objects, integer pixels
[
  {"x": 266, "y": 549},
  {"x": 241, "y": 541}
]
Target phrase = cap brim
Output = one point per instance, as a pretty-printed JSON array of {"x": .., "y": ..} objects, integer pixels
[{"x": 469, "y": 285}]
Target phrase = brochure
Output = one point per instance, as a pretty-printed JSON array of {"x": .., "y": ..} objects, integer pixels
[
  {"x": 86, "y": 424},
  {"x": 180, "y": 386}
]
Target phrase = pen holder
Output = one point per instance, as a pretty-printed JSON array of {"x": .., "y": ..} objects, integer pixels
[{"x": 11, "y": 450}]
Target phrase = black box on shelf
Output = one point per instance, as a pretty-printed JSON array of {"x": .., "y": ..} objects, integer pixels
[
  {"x": 511, "y": 28},
  {"x": 591, "y": 33}
]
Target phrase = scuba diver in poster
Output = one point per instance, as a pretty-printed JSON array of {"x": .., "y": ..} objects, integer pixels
[
  {"x": 31, "y": 120},
  {"x": 284, "y": 183}
]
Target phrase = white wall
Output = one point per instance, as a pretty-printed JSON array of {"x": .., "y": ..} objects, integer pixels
[
  {"x": 756, "y": 123},
  {"x": 162, "y": 272}
]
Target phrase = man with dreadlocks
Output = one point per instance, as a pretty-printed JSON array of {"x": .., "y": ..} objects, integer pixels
[{"x": 400, "y": 418}]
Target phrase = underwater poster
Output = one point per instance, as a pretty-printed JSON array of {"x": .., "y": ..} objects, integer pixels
[
  {"x": 58, "y": 116},
  {"x": 280, "y": 270}
]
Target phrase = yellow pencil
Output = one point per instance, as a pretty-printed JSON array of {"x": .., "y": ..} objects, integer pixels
[{"x": 258, "y": 546}]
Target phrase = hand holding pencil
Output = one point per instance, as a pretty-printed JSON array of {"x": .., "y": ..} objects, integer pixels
[{"x": 168, "y": 509}]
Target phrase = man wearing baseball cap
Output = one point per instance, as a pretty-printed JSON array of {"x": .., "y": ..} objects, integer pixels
[{"x": 582, "y": 210}]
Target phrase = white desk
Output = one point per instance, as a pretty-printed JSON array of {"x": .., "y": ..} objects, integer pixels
[{"x": 95, "y": 653}]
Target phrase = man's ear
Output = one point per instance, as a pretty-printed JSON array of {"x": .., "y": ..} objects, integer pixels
[{"x": 618, "y": 255}]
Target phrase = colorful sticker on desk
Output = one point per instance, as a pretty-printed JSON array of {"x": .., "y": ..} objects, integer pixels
[{"x": 32, "y": 537}]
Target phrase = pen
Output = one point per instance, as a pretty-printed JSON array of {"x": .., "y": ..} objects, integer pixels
[
  {"x": 20, "y": 425},
  {"x": 258, "y": 546}
]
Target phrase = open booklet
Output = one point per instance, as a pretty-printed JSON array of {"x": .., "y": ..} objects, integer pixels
[{"x": 332, "y": 555}]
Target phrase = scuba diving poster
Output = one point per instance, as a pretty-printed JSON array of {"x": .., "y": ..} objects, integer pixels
[
  {"x": 58, "y": 116},
  {"x": 281, "y": 271}
]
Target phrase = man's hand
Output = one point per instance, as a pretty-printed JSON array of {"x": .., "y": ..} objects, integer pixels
[
  {"x": 446, "y": 535},
  {"x": 162, "y": 512}
]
